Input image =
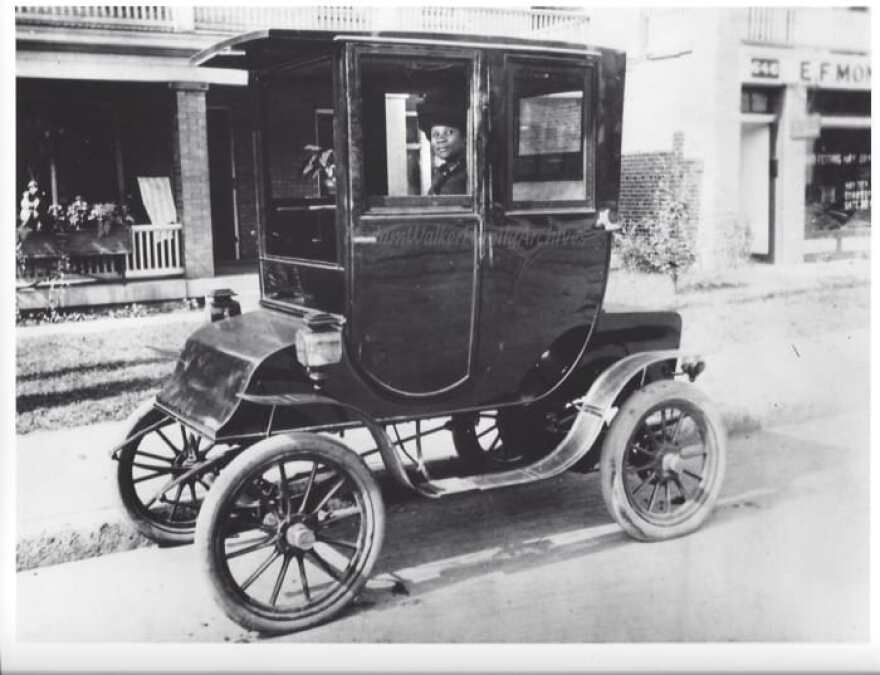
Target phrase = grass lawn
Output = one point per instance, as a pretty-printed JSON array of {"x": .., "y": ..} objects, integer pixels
[{"x": 70, "y": 379}]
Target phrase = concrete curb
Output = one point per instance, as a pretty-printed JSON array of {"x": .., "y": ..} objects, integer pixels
[{"x": 109, "y": 531}]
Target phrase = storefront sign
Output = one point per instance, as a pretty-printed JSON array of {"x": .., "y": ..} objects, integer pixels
[
  {"x": 806, "y": 127},
  {"x": 835, "y": 73},
  {"x": 809, "y": 68}
]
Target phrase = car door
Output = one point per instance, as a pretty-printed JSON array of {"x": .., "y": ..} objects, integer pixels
[{"x": 414, "y": 267}]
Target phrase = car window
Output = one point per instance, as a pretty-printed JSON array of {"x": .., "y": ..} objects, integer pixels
[
  {"x": 415, "y": 126},
  {"x": 550, "y": 144}
]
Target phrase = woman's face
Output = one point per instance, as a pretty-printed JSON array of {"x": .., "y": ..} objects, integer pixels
[{"x": 447, "y": 142}]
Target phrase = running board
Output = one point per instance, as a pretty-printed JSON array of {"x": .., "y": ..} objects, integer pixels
[
  {"x": 577, "y": 442},
  {"x": 596, "y": 408}
]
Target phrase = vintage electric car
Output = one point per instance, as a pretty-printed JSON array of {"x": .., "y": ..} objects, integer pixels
[{"x": 407, "y": 286}]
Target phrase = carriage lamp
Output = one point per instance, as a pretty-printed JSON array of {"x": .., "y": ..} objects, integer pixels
[
  {"x": 219, "y": 304},
  {"x": 319, "y": 342}
]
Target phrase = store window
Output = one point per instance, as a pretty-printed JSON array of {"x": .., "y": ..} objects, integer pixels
[
  {"x": 838, "y": 171},
  {"x": 416, "y": 129},
  {"x": 838, "y": 191},
  {"x": 550, "y": 154}
]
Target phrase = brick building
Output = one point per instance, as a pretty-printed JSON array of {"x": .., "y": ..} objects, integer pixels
[
  {"x": 771, "y": 111},
  {"x": 110, "y": 110}
]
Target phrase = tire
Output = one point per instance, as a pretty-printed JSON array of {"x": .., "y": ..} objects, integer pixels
[
  {"x": 651, "y": 443},
  {"x": 510, "y": 437},
  {"x": 318, "y": 522},
  {"x": 151, "y": 462}
]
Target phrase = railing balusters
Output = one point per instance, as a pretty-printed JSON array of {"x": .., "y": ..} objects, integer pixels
[
  {"x": 436, "y": 18},
  {"x": 155, "y": 251}
]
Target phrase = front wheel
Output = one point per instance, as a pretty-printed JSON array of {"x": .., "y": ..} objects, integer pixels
[
  {"x": 663, "y": 461},
  {"x": 290, "y": 531}
]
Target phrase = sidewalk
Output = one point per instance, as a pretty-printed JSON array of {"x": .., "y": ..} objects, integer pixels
[{"x": 67, "y": 506}]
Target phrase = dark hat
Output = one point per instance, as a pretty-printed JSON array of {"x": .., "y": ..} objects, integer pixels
[{"x": 436, "y": 109}]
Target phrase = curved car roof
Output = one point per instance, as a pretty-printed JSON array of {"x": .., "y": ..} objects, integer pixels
[{"x": 261, "y": 48}]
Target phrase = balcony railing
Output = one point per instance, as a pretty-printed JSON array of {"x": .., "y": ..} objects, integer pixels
[
  {"x": 822, "y": 27},
  {"x": 549, "y": 24}
]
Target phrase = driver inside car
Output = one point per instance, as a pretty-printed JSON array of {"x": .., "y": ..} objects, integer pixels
[{"x": 444, "y": 124}]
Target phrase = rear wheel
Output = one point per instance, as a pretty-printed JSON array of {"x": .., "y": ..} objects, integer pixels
[
  {"x": 663, "y": 461},
  {"x": 290, "y": 532},
  {"x": 510, "y": 437}
]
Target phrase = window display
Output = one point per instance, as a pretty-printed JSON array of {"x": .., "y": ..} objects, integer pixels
[{"x": 838, "y": 181}]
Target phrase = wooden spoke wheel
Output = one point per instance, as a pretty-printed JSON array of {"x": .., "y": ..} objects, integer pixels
[
  {"x": 510, "y": 437},
  {"x": 663, "y": 461},
  {"x": 290, "y": 532},
  {"x": 163, "y": 476}
]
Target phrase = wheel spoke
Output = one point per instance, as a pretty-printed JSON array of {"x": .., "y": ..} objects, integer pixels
[
  {"x": 262, "y": 568},
  {"x": 192, "y": 492},
  {"x": 303, "y": 578},
  {"x": 176, "y": 501},
  {"x": 653, "y": 496},
  {"x": 643, "y": 483},
  {"x": 332, "y": 491},
  {"x": 494, "y": 443},
  {"x": 681, "y": 490},
  {"x": 324, "y": 565},
  {"x": 277, "y": 589},
  {"x": 690, "y": 455},
  {"x": 152, "y": 456},
  {"x": 487, "y": 431},
  {"x": 668, "y": 499},
  {"x": 284, "y": 493},
  {"x": 695, "y": 476},
  {"x": 675, "y": 431},
  {"x": 336, "y": 542},
  {"x": 171, "y": 445},
  {"x": 158, "y": 494},
  {"x": 150, "y": 476},
  {"x": 305, "y": 499},
  {"x": 153, "y": 467},
  {"x": 340, "y": 514}
]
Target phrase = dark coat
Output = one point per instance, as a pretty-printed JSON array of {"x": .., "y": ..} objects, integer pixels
[{"x": 450, "y": 178}]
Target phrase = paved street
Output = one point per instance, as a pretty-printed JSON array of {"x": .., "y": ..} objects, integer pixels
[{"x": 785, "y": 558}]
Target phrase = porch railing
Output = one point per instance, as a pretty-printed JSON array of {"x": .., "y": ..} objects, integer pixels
[
  {"x": 549, "y": 24},
  {"x": 156, "y": 251}
]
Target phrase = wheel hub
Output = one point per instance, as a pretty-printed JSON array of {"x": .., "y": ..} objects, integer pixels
[
  {"x": 671, "y": 462},
  {"x": 300, "y": 536}
]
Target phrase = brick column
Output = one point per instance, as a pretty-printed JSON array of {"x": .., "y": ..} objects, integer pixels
[{"x": 191, "y": 180}]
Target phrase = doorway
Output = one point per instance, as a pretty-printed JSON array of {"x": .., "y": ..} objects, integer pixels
[
  {"x": 755, "y": 186},
  {"x": 221, "y": 168}
]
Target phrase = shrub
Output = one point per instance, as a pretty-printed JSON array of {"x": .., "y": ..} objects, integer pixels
[{"x": 665, "y": 241}]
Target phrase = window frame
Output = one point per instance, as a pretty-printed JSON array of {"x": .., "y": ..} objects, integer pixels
[
  {"x": 514, "y": 63},
  {"x": 271, "y": 203},
  {"x": 408, "y": 204}
]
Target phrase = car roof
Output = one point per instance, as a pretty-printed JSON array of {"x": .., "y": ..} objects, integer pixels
[{"x": 259, "y": 48}]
